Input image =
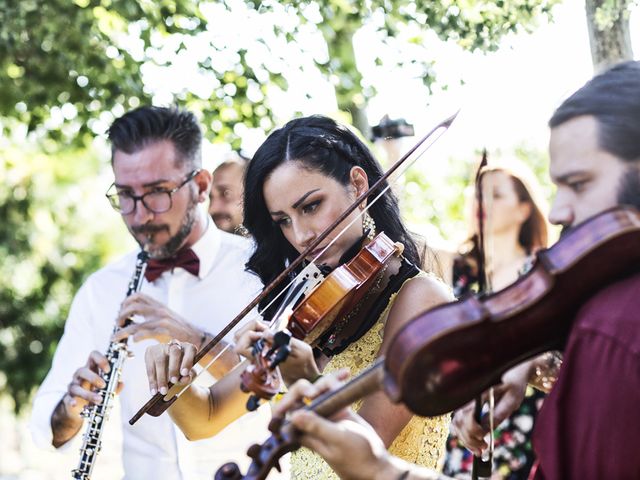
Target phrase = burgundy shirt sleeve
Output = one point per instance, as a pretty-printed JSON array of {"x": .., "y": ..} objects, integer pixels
[{"x": 589, "y": 426}]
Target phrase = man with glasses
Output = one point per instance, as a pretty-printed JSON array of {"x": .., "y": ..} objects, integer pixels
[{"x": 195, "y": 284}]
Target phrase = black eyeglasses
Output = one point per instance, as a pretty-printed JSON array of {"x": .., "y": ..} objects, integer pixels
[{"x": 156, "y": 201}]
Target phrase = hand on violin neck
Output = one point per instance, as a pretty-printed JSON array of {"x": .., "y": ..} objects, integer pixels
[
  {"x": 349, "y": 444},
  {"x": 468, "y": 430},
  {"x": 510, "y": 393},
  {"x": 303, "y": 391},
  {"x": 508, "y": 396},
  {"x": 299, "y": 362},
  {"x": 246, "y": 337}
]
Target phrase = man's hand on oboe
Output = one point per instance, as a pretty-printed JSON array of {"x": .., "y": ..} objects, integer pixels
[
  {"x": 160, "y": 322},
  {"x": 81, "y": 391}
]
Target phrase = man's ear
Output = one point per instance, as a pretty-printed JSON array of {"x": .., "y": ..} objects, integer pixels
[{"x": 203, "y": 182}]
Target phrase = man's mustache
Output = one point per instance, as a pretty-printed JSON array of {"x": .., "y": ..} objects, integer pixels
[{"x": 149, "y": 229}]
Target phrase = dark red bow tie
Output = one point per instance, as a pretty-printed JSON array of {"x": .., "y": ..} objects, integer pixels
[{"x": 185, "y": 258}]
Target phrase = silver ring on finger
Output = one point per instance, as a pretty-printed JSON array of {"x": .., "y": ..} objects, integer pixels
[{"x": 175, "y": 342}]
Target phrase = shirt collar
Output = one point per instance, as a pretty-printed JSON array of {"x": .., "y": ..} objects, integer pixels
[{"x": 207, "y": 247}]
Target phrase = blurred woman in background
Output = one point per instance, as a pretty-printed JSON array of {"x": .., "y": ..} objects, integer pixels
[{"x": 515, "y": 227}]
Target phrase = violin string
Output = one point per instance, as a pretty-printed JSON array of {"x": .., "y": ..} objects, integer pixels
[
  {"x": 279, "y": 318},
  {"x": 415, "y": 155}
]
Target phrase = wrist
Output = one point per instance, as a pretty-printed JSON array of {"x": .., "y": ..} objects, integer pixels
[
  {"x": 389, "y": 467},
  {"x": 313, "y": 374}
]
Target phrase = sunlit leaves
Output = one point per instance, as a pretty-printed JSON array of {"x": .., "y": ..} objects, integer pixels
[
  {"x": 48, "y": 245},
  {"x": 91, "y": 56}
]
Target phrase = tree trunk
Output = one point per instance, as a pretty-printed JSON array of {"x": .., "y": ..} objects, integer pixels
[{"x": 611, "y": 43}]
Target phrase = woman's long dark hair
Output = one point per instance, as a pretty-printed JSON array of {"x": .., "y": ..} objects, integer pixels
[{"x": 322, "y": 145}]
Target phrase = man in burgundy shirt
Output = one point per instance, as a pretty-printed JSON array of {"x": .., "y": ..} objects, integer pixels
[{"x": 589, "y": 424}]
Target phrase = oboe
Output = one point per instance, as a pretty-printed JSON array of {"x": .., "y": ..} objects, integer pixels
[{"x": 97, "y": 414}]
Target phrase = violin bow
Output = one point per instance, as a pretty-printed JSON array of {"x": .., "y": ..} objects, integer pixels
[
  {"x": 159, "y": 402},
  {"x": 481, "y": 467}
]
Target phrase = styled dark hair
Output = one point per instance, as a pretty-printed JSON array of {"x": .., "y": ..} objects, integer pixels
[
  {"x": 145, "y": 125},
  {"x": 613, "y": 98},
  {"x": 321, "y": 145}
]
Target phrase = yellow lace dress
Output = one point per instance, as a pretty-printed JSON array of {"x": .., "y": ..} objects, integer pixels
[{"x": 422, "y": 441}]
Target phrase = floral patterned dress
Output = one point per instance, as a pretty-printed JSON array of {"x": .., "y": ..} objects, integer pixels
[{"x": 513, "y": 454}]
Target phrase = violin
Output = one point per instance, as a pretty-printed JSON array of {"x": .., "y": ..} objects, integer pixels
[
  {"x": 448, "y": 355},
  {"x": 443, "y": 358},
  {"x": 322, "y": 310},
  {"x": 342, "y": 290},
  {"x": 159, "y": 402}
]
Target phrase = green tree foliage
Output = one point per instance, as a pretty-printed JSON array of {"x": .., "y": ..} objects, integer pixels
[
  {"x": 402, "y": 26},
  {"x": 49, "y": 242},
  {"x": 66, "y": 65}
]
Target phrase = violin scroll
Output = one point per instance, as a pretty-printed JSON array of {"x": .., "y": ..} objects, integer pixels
[
  {"x": 261, "y": 376},
  {"x": 266, "y": 456}
]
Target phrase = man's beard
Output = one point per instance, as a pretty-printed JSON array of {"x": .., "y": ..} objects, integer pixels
[
  {"x": 629, "y": 188},
  {"x": 174, "y": 243}
]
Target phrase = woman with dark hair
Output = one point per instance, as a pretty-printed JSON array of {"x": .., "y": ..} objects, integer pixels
[
  {"x": 515, "y": 228},
  {"x": 301, "y": 179}
]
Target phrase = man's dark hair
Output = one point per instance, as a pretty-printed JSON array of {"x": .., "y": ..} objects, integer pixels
[
  {"x": 613, "y": 98},
  {"x": 145, "y": 125}
]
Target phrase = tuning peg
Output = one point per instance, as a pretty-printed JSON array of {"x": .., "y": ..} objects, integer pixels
[
  {"x": 254, "y": 453},
  {"x": 281, "y": 355},
  {"x": 258, "y": 345},
  {"x": 274, "y": 425},
  {"x": 253, "y": 403},
  {"x": 281, "y": 338},
  {"x": 228, "y": 471}
]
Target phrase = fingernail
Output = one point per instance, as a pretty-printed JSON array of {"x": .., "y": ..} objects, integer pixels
[
  {"x": 163, "y": 390},
  {"x": 72, "y": 402},
  {"x": 185, "y": 372},
  {"x": 174, "y": 379}
]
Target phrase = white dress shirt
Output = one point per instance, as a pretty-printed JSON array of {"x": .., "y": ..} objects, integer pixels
[{"x": 154, "y": 448}]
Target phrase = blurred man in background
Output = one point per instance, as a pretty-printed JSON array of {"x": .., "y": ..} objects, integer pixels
[{"x": 225, "y": 197}]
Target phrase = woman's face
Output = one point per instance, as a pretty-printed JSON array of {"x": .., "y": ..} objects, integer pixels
[
  {"x": 303, "y": 203},
  {"x": 505, "y": 210}
]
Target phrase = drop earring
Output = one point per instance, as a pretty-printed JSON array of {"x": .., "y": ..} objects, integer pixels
[{"x": 368, "y": 225}]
